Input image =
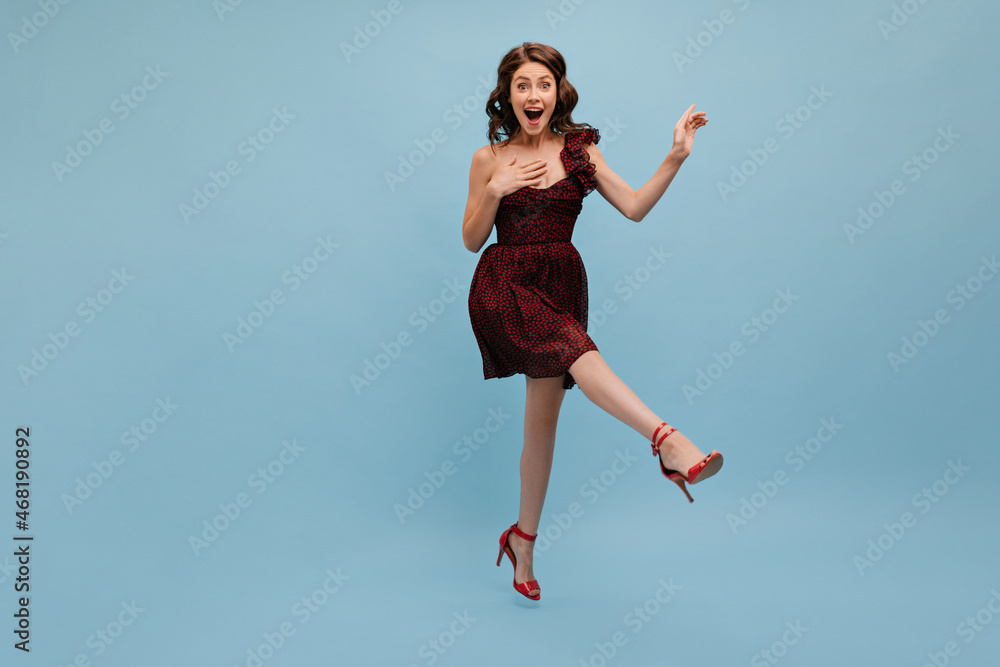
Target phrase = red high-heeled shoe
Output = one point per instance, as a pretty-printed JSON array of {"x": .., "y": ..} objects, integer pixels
[
  {"x": 528, "y": 586},
  {"x": 700, "y": 471}
]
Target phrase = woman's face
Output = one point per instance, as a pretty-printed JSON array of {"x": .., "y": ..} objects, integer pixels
[{"x": 533, "y": 96}]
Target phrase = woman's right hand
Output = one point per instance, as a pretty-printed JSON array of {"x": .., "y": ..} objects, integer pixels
[{"x": 511, "y": 177}]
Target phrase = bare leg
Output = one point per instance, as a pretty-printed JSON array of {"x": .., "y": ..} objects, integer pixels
[
  {"x": 599, "y": 383},
  {"x": 543, "y": 398}
]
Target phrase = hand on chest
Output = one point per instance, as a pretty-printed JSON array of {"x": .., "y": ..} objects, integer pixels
[{"x": 555, "y": 169}]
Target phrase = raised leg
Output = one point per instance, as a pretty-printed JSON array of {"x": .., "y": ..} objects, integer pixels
[
  {"x": 606, "y": 390},
  {"x": 543, "y": 398}
]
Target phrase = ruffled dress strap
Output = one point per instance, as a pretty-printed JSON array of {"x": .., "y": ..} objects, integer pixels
[{"x": 576, "y": 159}]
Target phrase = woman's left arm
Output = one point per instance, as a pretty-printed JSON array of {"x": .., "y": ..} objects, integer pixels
[{"x": 635, "y": 204}]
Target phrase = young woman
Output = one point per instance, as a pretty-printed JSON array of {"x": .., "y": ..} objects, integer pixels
[{"x": 528, "y": 296}]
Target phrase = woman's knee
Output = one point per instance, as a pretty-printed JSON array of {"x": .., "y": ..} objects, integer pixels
[{"x": 544, "y": 396}]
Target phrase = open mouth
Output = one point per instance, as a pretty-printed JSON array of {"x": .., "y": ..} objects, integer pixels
[{"x": 533, "y": 115}]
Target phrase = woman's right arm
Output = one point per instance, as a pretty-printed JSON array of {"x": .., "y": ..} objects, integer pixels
[
  {"x": 481, "y": 208},
  {"x": 487, "y": 186}
]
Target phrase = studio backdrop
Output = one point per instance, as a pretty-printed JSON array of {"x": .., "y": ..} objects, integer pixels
[{"x": 242, "y": 408}]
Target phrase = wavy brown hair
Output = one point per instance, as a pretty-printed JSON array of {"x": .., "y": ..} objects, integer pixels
[{"x": 503, "y": 121}]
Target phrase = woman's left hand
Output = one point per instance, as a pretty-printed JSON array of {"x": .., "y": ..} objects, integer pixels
[{"x": 685, "y": 129}]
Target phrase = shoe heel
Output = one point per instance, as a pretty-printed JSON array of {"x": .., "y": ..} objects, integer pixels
[{"x": 679, "y": 481}]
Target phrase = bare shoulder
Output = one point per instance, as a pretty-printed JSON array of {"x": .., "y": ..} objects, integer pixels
[
  {"x": 483, "y": 161},
  {"x": 495, "y": 151},
  {"x": 483, "y": 155},
  {"x": 488, "y": 157}
]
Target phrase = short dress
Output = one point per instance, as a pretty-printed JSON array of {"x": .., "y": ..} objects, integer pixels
[{"x": 528, "y": 296}]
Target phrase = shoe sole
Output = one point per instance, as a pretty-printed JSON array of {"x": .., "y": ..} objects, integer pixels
[{"x": 713, "y": 466}]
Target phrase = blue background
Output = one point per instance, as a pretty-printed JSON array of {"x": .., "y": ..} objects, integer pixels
[{"x": 774, "y": 542}]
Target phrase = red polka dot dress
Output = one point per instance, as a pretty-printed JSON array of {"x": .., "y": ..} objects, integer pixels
[{"x": 528, "y": 296}]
